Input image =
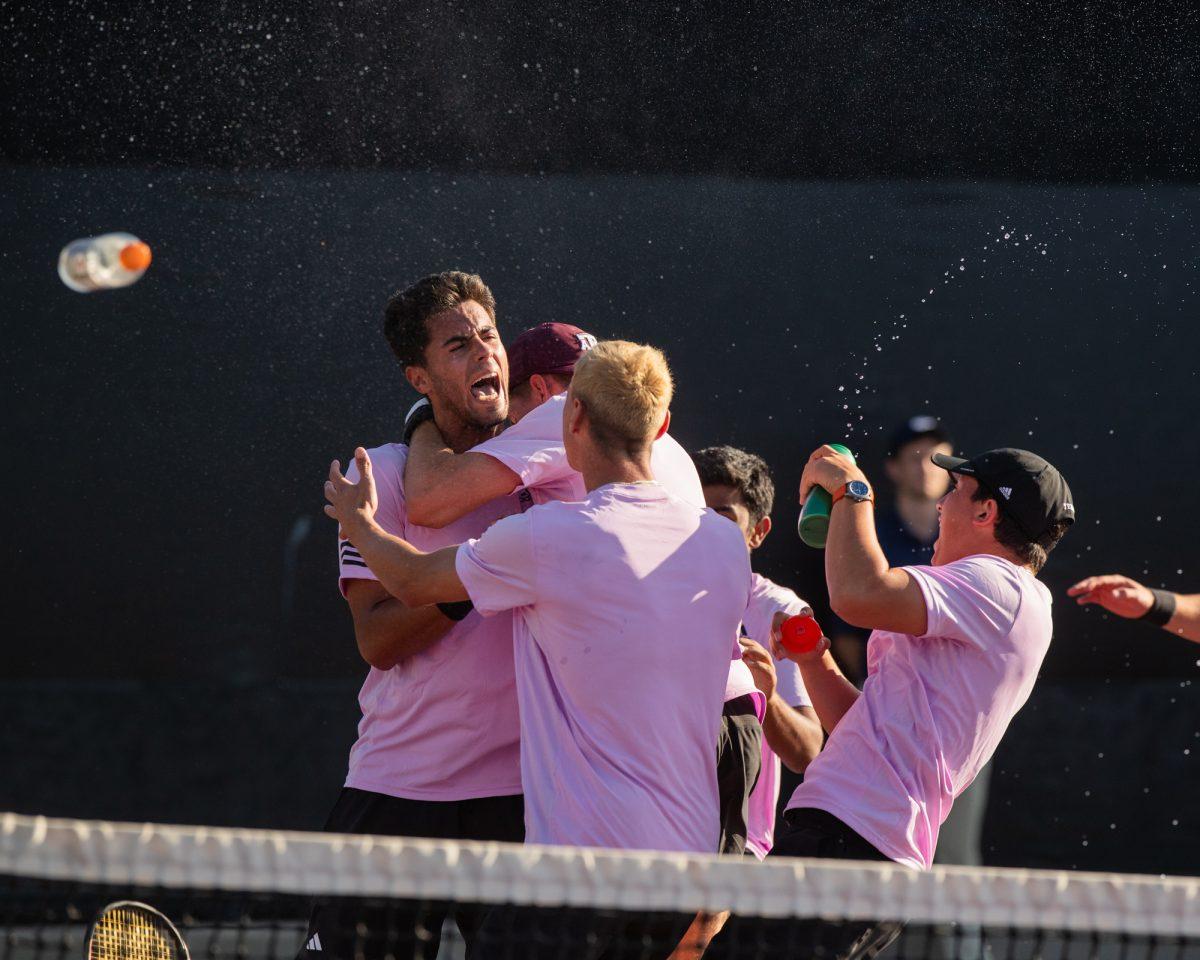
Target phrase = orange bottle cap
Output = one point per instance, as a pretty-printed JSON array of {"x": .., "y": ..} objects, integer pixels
[{"x": 135, "y": 256}]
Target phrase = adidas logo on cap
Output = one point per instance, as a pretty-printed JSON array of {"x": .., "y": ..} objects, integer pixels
[{"x": 1007, "y": 492}]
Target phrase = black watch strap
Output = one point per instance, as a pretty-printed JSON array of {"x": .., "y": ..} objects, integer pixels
[
  {"x": 421, "y": 411},
  {"x": 1162, "y": 610}
]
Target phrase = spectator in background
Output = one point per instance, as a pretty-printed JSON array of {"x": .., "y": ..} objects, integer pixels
[{"x": 1175, "y": 612}]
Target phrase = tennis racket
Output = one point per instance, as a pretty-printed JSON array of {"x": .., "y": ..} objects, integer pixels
[{"x": 127, "y": 930}]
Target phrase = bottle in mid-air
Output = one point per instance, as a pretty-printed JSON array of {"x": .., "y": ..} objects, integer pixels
[
  {"x": 813, "y": 524},
  {"x": 103, "y": 263}
]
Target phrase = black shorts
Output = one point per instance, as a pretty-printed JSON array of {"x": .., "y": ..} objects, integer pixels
[
  {"x": 578, "y": 933},
  {"x": 739, "y": 758},
  {"x": 808, "y": 833},
  {"x": 345, "y": 928}
]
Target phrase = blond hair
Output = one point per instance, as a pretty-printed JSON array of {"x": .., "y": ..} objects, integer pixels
[{"x": 626, "y": 389}]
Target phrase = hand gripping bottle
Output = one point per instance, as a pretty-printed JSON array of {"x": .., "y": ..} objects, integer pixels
[
  {"x": 104, "y": 262},
  {"x": 814, "y": 517},
  {"x": 800, "y": 634}
]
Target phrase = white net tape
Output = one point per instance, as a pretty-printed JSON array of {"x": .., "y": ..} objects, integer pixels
[{"x": 217, "y": 858}]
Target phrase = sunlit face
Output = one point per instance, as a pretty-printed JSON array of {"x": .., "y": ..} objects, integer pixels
[
  {"x": 465, "y": 373},
  {"x": 957, "y": 531},
  {"x": 914, "y": 474}
]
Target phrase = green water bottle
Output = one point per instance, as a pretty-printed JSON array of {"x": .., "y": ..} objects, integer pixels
[{"x": 813, "y": 525}]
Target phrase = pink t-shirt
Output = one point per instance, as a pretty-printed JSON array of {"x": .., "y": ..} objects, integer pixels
[
  {"x": 767, "y": 599},
  {"x": 430, "y": 729},
  {"x": 933, "y": 708},
  {"x": 532, "y": 448},
  {"x": 624, "y": 605}
]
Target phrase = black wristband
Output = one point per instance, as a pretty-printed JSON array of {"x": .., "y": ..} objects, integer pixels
[
  {"x": 417, "y": 416},
  {"x": 456, "y": 611},
  {"x": 1162, "y": 610}
]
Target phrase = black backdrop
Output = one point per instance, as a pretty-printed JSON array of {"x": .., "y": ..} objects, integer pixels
[
  {"x": 175, "y": 646},
  {"x": 173, "y": 616},
  {"x": 1019, "y": 88}
]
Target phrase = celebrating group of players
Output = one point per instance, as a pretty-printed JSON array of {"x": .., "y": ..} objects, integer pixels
[{"x": 568, "y": 645}]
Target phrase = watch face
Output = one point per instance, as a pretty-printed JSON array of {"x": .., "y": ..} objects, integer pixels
[{"x": 858, "y": 490}]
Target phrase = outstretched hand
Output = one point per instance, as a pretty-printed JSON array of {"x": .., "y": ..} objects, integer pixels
[
  {"x": 351, "y": 504},
  {"x": 1116, "y": 594}
]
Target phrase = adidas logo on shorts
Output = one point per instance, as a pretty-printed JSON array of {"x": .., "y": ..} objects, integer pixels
[{"x": 314, "y": 943}]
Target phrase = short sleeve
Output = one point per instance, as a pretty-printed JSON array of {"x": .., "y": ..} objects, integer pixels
[
  {"x": 973, "y": 600},
  {"x": 533, "y": 447},
  {"x": 391, "y": 514},
  {"x": 499, "y": 569}
]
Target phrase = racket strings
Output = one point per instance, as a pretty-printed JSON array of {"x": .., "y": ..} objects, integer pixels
[{"x": 129, "y": 933}]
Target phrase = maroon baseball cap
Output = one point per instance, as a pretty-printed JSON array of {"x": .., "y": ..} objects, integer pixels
[{"x": 546, "y": 348}]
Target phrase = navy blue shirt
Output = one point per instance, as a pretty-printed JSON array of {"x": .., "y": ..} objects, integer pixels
[{"x": 901, "y": 548}]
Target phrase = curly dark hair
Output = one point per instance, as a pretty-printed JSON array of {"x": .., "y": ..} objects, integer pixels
[
  {"x": 746, "y": 472},
  {"x": 407, "y": 312},
  {"x": 1032, "y": 553}
]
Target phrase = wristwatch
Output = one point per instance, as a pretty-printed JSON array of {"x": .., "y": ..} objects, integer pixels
[{"x": 857, "y": 490}]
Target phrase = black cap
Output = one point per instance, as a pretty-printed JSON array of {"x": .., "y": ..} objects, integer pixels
[
  {"x": 919, "y": 427},
  {"x": 1029, "y": 489}
]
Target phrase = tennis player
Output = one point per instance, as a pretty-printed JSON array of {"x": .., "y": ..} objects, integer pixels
[
  {"x": 437, "y": 753},
  {"x": 1176, "y": 613},
  {"x": 953, "y": 655},
  {"x": 530, "y": 457},
  {"x": 738, "y": 486},
  {"x": 625, "y": 605}
]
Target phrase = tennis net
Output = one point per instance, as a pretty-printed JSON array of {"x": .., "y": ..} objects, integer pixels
[{"x": 250, "y": 894}]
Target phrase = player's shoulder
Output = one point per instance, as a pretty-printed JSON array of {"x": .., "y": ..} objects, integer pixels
[
  {"x": 546, "y": 417},
  {"x": 387, "y": 466},
  {"x": 388, "y": 455},
  {"x": 764, "y": 588},
  {"x": 986, "y": 575},
  {"x": 986, "y": 566},
  {"x": 388, "y": 458}
]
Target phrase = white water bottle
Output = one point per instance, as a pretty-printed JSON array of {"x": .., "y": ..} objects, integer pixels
[{"x": 103, "y": 263}]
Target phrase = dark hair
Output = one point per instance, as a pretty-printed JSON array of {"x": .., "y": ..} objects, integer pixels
[
  {"x": 1032, "y": 553},
  {"x": 747, "y": 473},
  {"x": 405, "y": 318}
]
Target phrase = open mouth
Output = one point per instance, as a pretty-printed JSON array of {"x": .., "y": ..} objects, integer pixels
[{"x": 486, "y": 388}]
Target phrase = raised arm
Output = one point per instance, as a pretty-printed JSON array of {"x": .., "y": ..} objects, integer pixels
[
  {"x": 440, "y": 485},
  {"x": 864, "y": 589},
  {"x": 1175, "y": 612},
  {"x": 411, "y": 576}
]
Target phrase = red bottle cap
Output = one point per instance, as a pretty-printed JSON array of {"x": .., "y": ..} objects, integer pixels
[{"x": 801, "y": 634}]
